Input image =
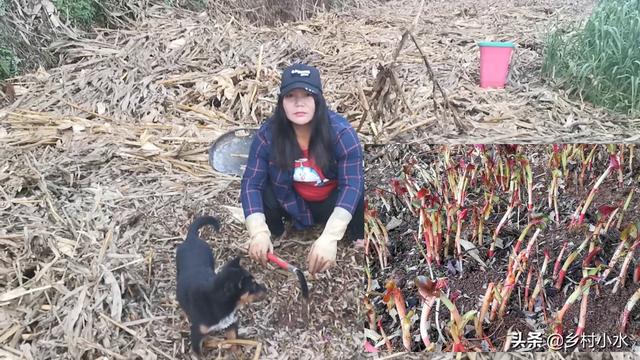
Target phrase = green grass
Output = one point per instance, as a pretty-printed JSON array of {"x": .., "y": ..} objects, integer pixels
[
  {"x": 600, "y": 61},
  {"x": 82, "y": 13},
  {"x": 8, "y": 63}
]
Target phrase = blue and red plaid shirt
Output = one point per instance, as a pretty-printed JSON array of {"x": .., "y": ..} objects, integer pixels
[{"x": 260, "y": 171}]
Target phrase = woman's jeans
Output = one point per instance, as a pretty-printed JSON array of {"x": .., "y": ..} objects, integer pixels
[{"x": 321, "y": 211}]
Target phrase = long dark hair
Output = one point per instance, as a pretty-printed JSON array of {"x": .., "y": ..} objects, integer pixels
[{"x": 285, "y": 148}]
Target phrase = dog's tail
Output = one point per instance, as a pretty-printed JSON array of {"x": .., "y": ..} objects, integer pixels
[{"x": 200, "y": 222}]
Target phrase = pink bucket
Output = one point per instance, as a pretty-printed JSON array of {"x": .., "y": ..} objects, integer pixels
[{"x": 495, "y": 58}]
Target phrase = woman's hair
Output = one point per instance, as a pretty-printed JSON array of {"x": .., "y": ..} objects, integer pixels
[{"x": 285, "y": 148}]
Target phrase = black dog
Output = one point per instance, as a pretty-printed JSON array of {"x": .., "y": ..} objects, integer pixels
[{"x": 211, "y": 299}]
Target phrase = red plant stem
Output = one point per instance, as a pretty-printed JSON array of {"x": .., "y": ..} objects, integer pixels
[
  {"x": 462, "y": 185},
  {"x": 625, "y": 266},
  {"x": 437, "y": 219},
  {"x": 613, "y": 214},
  {"x": 461, "y": 215},
  {"x": 536, "y": 291},
  {"x": 570, "y": 259},
  {"x": 589, "y": 258},
  {"x": 519, "y": 265},
  {"x": 585, "y": 163},
  {"x": 582, "y": 320},
  {"x": 577, "y": 293},
  {"x": 371, "y": 314},
  {"x": 518, "y": 245},
  {"x": 486, "y": 211},
  {"x": 552, "y": 187},
  {"x": 556, "y": 267},
  {"x": 624, "y": 208},
  {"x": 488, "y": 296},
  {"x": 529, "y": 178},
  {"x": 424, "y": 320},
  {"x": 456, "y": 329},
  {"x": 620, "y": 176},
  {"x": 450, "y": 210},
  {"x": 540, "y": 281},
  {"x": 528, "y": 285},
  {"x": 612, "y": 165},
  {"x": 495, "y": 234},
  {"x": 459, "y": 347},
  {"x": 398, "y": 299},
  {"x": 624, "y": 318},
  {"x": 384, "y": 336},
  {"x": 636, "y": 274},
  {"x": 629, "y": 231},
  {"x": 424, "y": 229}
]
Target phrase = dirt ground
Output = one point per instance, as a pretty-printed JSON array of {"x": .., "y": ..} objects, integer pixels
[{"x": 406, "y": 262}]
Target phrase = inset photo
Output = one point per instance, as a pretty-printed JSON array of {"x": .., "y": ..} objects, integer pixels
[{"x": 495, "y": 248}]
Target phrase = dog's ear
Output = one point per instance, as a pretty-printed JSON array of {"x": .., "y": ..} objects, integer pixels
[{"x": 233, "y": 286}]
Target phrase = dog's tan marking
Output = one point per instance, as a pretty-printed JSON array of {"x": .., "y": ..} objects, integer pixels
[
  {"x": 232, "y": 334},
  {"x": 246, "y": 298}
]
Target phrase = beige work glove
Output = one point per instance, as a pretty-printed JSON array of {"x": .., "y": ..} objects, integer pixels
[
  {"x": 260, "y": 237},
  {"x": 323, "y": 251}
]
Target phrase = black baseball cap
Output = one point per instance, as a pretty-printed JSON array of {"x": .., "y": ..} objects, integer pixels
[{"x": 301, "y": 76}]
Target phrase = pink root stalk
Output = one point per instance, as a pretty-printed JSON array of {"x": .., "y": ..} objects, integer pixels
[
  {"x": 386, "y": 340},
  {"x": 553, "y": 193},
  {"x": 500, "y": 225},
  {"x": 613, "y": 165},
  {"x": 629, "y": 231},
  {"x": 582, "y": 320},
  {"x": 585, "y": 283},
  {"x": 529, "y": 177},
  {"x": 624, "y": 318},
  {"x": 528, "y": 285},
  {"x": 424, "y": 229},
  {"x": 624, "y": 209},
  {"x": 625, "y": 267},
  {"x": 424, "y": 322},
  {"x": 520, "y": 265},
  {"x": 556, "y": 267},
  {"x": 462, "y": 214},
  {"x": 488, "y": 296},
  {"x": 540, "y": 281},
  {"x": 429, "y": 290},
  {"x": 569, "y": 261},
  {"x": 437, "y": 220},
  {"x": 450, "y": 212},
  {"x": 613, "y": 214},
  {"x": 620, "y": 175}
]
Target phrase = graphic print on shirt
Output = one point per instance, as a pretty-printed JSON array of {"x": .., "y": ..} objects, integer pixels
[{"x": 306, "y": 171}]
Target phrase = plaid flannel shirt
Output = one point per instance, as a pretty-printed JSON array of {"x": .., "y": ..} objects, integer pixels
[{"x": 260, "y": 170}]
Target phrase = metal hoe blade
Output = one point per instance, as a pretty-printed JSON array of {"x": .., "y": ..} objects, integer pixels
[{"x": 230, "y": 152}]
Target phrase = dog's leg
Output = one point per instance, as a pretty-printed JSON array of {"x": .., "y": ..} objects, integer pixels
[
  {"x": 197, "y": 339},
  {"x": 232, "y": 334}
]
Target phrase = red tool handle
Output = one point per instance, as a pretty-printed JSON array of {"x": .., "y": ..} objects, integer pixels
[{"x": 283, "y": 264}]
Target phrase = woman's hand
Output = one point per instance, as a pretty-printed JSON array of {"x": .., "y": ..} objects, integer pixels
[
  {"x": 322, "y": 255},
  {"x": 260, "y": 237},
  {"x": 323, "y": 252},
  {"x": 259, "y": 246}
]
